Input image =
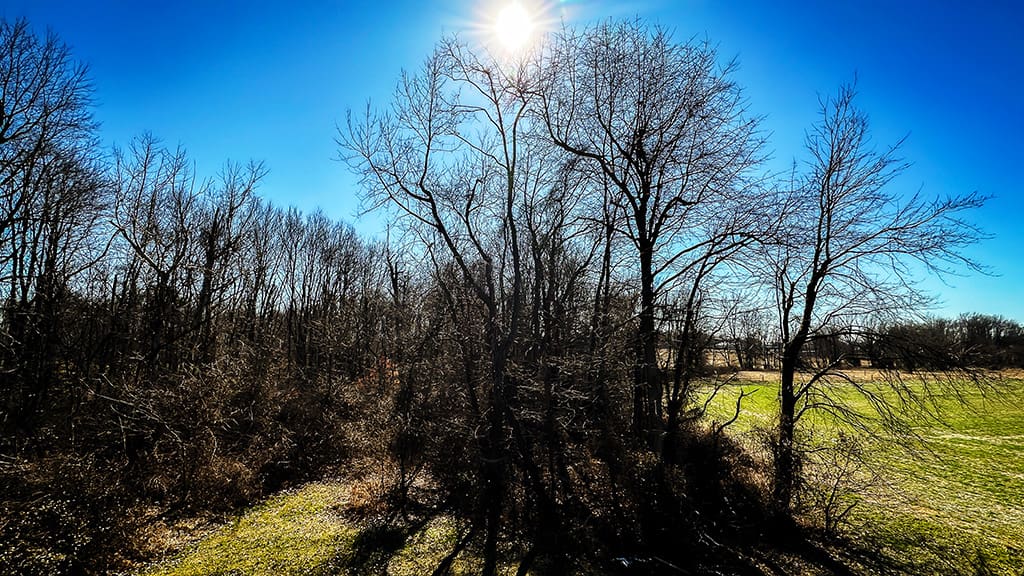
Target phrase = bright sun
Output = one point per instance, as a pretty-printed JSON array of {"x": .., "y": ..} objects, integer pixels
[{"x": 514, "y": 26}]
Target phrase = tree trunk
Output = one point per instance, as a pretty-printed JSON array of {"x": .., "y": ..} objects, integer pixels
[
  {"x": 647, "y": 381},
  {"x": 785, "y": 461},
  {"x": 494, "y": 452}
]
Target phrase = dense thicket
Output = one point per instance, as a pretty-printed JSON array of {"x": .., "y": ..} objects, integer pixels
[
  {"x": 165, "y": 339},
  {"x": 171, "y": 342},
  {"x": 581, "y": 244}
]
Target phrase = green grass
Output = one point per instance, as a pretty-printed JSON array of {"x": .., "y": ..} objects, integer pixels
[
  {"x": 303, "y": 532},
  {"x": 292, "y": 533},
  {"x": 956, "y": 507}
]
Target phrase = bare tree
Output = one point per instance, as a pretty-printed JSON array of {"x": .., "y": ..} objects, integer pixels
[
  {"x": 846, "y": 256},
  {"x": 747, "y": 329},
  {"x": 450, "y": 158},
  {"x": 156, "y": 216},
  {"x": 667, "y": 130},
  {"x": 51, "y": 201},
  {"x": 226, "y": 221},
  {"x": 44, "y": 106}
]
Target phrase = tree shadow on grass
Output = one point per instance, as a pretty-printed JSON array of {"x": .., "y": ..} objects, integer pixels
[
  {"x": 372, "y": 549},
  {"x": 378, "y": 543}
]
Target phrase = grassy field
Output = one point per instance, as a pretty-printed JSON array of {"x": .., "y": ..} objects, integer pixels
[{"x": 953, "y": 504}]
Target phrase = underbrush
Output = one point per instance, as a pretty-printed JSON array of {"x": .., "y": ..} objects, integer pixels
[
  {"x": 103, "y": 490},
  {"x": 53, "y": 522},
  {"x": 866, "y": 509},
  {"x": 339, "y": 527},
  {"x": 410, "y": 503}
]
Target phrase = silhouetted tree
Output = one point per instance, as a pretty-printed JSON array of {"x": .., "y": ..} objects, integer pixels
[
  {"x": 51, "y": 201},
  {"x": 846, "y": 254},
  {"x": 667, "y": 130},
  {"x": 451, "y": 158}
]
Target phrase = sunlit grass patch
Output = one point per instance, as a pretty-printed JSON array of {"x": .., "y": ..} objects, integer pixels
[
  {"x": 292, "y": 533},
  {"x": 305, "y": 532},
  {"x": 926, "y": 546}
]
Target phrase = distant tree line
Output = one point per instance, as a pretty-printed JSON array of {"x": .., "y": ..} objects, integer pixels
[
  {"x": 984, "y": 340},
  {"x": 980, "y": 340},
  {"x": 573, "y": 230}
]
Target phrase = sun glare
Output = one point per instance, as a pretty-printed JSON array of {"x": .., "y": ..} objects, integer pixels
[{"x": 514, "y": 26}]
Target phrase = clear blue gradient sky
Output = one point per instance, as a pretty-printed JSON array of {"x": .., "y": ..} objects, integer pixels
[{"x": 270, "y": 80}]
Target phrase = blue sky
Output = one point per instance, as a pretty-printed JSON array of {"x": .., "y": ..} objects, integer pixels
[{"x": 270, "y": 80}]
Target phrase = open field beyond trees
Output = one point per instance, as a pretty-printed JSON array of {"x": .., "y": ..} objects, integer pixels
[{"x": 955, "y": 498}]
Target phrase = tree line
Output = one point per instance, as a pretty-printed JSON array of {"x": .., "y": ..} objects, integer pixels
[
  {"x": 930, "y": 343},
  {"x": 573, "y": 229}
]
